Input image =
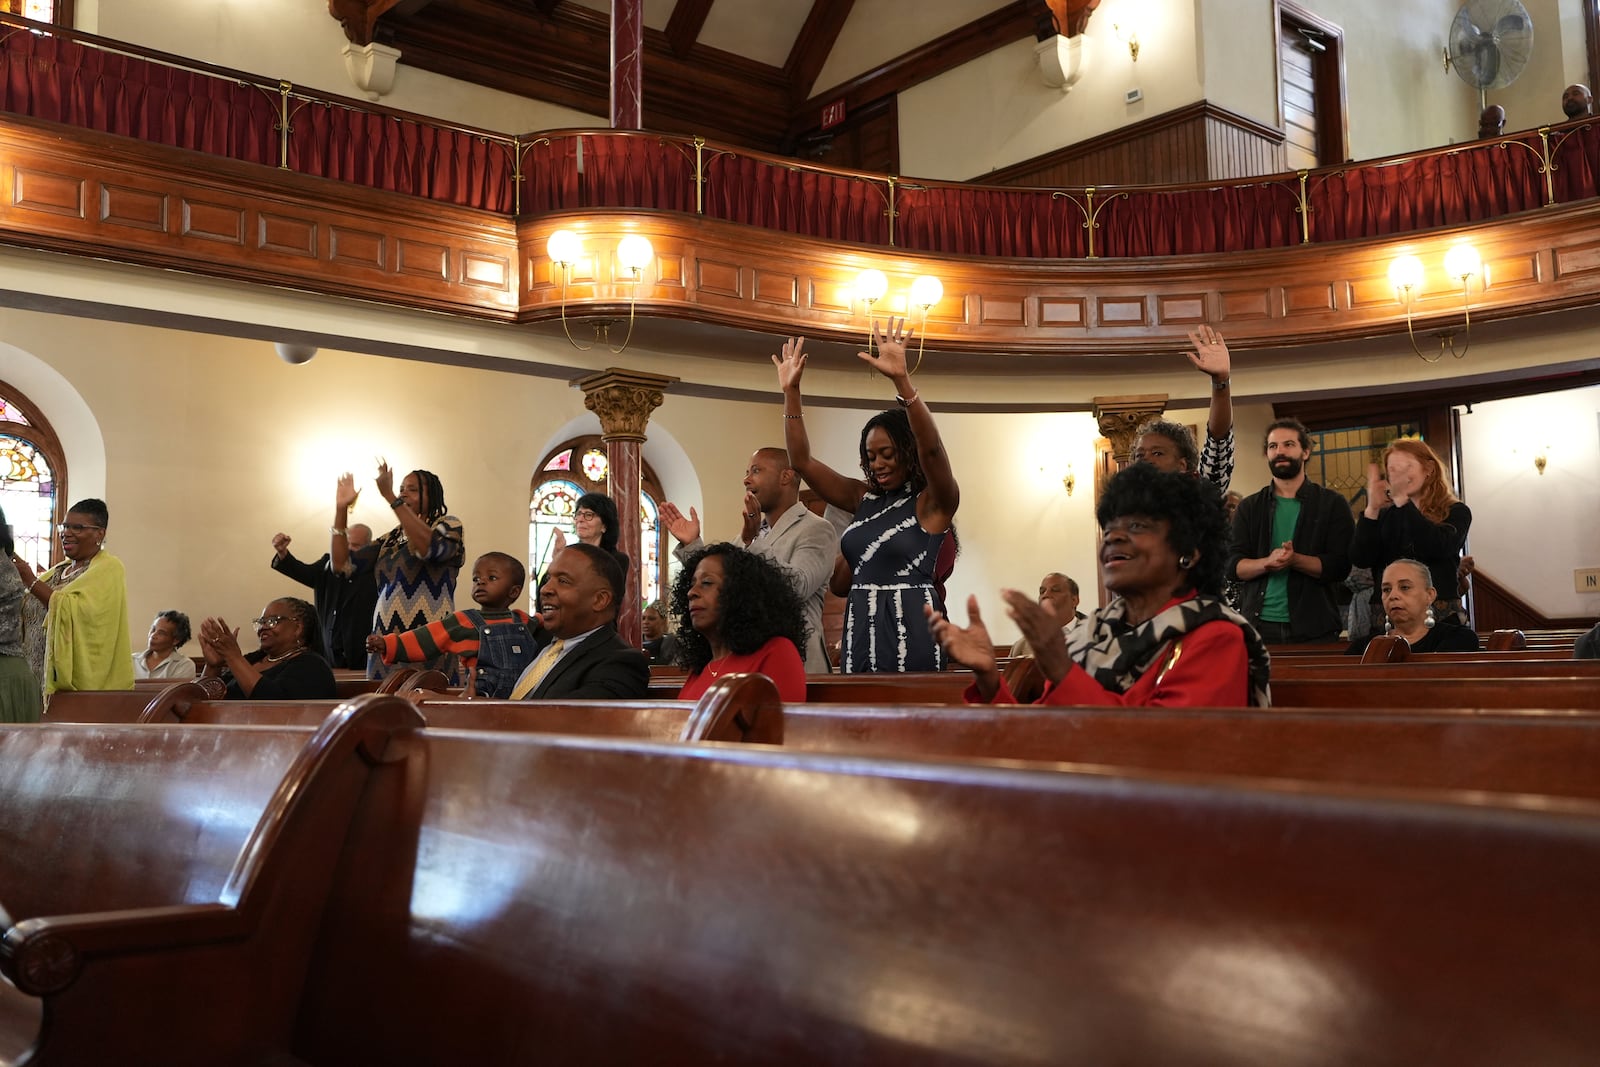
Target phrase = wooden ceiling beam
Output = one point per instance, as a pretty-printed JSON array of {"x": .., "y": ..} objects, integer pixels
[
  {"x": 563, "y": 58},
  {"x": 813, "y": 44},
  {"x": 683, "y": 27},
  {"x": 358, "y": 17},
  {"x": 1014, "y": 22}
]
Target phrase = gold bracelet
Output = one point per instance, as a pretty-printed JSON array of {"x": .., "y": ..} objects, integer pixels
[{"x": 789, "y": 416}]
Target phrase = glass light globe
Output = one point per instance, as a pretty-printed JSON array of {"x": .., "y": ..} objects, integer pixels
[
  {"x": 634, "y": 252},
  {"x": 926, "y": 291},
  {"x": 564, "y": 246},
  {"x": 1462, "y": 262},
  {"x": 1405, "y": 273},
  {"x": 871, "y": 285}
]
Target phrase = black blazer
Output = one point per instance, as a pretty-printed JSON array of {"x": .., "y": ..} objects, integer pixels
[{"x": 602, "y": 667}]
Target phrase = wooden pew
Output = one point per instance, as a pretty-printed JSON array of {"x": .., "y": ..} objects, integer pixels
[
  {"x": 1532, "y": 753},
  {"x": 588, "y": 901},
  {"x": 162, "y": 885}
]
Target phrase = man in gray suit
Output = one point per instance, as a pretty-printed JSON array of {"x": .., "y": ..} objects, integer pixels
[{"x": 791, "y": 536}]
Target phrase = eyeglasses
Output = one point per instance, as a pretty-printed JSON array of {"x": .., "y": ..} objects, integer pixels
[
  {"x": 75, "y": 527},
  {"x": 584, "y": 513},
  {"x": 268, "y": 621}
]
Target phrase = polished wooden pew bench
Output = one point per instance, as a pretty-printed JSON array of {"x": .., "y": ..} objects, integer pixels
[
  {"x": 162, "y": 885},
  {"x": 533, "y": 898}
]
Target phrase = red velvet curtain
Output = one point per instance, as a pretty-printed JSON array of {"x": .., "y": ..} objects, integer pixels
[
  {"x": 834, "y": 207},
  {"x": 61, "y": 81},
  {"x": 631, "y": 171}
]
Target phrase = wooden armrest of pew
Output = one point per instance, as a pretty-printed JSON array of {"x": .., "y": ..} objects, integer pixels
[
  {"x": 174, "y": 701},
  {"x": 1507, "y": 641},
  {"x": 1387, "y": 648},
  {"x": 429, "y": 681},
  {"x": 237, "y": 961},
  {"x": 738, "y": 707}
]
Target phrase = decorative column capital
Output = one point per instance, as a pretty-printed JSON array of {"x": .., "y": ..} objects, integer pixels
[
  {"x": 623, "y": 400},
  {"x": 1120, "y": 417}
]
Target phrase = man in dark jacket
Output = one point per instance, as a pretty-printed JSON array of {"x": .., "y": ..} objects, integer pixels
[
  {"x": 1291, "y": 546},
  {"x": 581, "y": 657},
  {"x": 344, "y": 602}
]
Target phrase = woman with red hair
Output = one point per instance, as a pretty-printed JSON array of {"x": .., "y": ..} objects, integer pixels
[{"x": 1413, "y": 514}]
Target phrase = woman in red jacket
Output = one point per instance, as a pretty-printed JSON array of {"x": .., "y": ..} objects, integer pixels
[
  {"x": 1166, "y": 640},
  {"x": 740, "y": 615}
]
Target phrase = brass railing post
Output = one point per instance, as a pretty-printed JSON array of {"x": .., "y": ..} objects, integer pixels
[
  {"x": 1091, "y": 214},
  {"x": 1304, "y": 208}
]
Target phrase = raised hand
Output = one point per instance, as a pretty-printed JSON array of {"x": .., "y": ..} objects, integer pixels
[
  {"x": 791, "y": 364},
  {"x": 890, "y": 358},
  {"x": 1043, "y": 631},
  {"x": 280, "y": 544},
  {"x": 1378, "y": 495},
  {"x": 24, "y": 571},
  {"x": 345, "y": 494},
  {"x": 1210, "y": 355},
  {"x": 218, "y": 642},
  {"x": 683, "y": 528},
  {"x": 970, "y": 645},
  {"x": 385, "y": 479},
  {"x": 558, "y": 541}
]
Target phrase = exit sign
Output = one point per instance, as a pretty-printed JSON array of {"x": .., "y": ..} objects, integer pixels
[
  {"x": 832, "y": 114},
  {"x": 1586, "y": 580}
]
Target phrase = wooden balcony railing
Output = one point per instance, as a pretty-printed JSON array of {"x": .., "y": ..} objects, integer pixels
[{"x": 82, "y": 80}]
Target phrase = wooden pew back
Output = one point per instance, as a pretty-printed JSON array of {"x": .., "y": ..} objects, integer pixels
[{"x": 592, "y": 901}]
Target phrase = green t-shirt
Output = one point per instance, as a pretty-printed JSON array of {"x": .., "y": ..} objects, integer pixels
[{"x": 1275, "y": 608}]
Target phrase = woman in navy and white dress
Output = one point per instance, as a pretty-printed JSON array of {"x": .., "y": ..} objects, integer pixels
[{"x": 903, "y": 504}]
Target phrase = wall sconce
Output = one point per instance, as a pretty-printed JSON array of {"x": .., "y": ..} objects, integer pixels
[
  {"x": 1539, "y": 462},
  {"x": 634, "y": 254},
  {"x": 870, "y": 287},
  {"x": 1128, "y": 34},
  {"x": 1070, "y": 481},
  {"x": 1462, "y": 262}
]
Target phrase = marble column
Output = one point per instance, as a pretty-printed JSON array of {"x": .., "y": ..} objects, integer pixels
[
  {"x": 623, "y": 401},
  {"x": 627, "y": 64}
]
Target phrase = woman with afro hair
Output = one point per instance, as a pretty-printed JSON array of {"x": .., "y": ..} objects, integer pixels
[
  {"x": 903, "y": 505},
  {"x": 740, "y": 615},
  {"x": 1168, "y": 639}
]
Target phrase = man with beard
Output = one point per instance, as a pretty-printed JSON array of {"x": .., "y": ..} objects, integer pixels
[
  {"x": 1576, "y": 102},
  {"x": 1291, "y": 546}
]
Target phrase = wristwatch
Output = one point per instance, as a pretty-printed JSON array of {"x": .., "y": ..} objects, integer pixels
[{"x": 398, "y": 502}]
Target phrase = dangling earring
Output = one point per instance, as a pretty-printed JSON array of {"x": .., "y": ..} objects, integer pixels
[
  {"x": 1387, "y": 625},
  {"x": 1429, "y": 620}
]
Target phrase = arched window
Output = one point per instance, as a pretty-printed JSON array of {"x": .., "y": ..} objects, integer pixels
[
  {"x": 33, "y": 478},
  {"x": 58, "y": 12},
  {"x": 577, "y": 467}
]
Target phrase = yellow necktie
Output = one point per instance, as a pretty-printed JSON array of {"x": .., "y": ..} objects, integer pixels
[{"x": 535, "y": 674}]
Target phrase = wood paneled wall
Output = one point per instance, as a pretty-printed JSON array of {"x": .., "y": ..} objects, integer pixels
[{"x": 1201, "y": 142}]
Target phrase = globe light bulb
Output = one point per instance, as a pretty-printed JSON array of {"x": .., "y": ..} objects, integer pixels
[
  {"x": 1462, "y": 262},
  {"x": 564, "y": 247},
  {"x": 926, "y": 291},
  {"x": 1405, "y": 274},
  {"x": 871, "y": 285},
  {"x": 634, "y": 252}
]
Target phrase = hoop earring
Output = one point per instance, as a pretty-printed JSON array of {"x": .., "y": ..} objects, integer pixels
[
  {"x": 1185, "y": 562},
  {"x": 1429, "y": 620}
]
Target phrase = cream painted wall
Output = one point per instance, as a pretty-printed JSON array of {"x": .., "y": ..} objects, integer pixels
[
  {"x": 1237, "y": 63},
  {"x": 1007, "y": 114},
  {"x": 1531, "y": 531},
  {"x": 300, "y": 41}
]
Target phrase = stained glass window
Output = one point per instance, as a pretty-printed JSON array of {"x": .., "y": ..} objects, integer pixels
[
  {"x": 577, "y": 467},
  {"x": 552, "y": 508},
  {"x": 9, "y": 412},
  {"x": 27, "y": 493},
  {"x": 649, "y": 546}
]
